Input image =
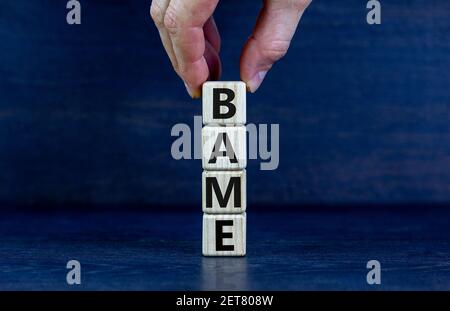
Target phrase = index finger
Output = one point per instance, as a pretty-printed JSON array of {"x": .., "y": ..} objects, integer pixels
[{"x": 184, "y": 21}]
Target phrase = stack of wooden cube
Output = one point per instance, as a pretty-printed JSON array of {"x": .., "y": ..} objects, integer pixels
[{"x": 224, "y": 158}]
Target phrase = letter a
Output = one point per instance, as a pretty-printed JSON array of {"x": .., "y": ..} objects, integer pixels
[
  {"x": 374, "y": 275},
  {"x": 216, "y": 150},
  {"x": 74, "y": 15},
  {"x": 374, "y": 15},
  {"x": 74, "y": 275}
]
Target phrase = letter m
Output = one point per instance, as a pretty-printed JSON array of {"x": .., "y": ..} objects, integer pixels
[{"x": 212, "y": 184}]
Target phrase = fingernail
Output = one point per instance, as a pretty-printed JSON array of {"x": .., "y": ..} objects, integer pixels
[
  {"x": 256, "y": 81},
  {"x": 193, "y": 93}
]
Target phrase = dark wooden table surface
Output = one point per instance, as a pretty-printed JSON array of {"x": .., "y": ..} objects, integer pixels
[{"x": 322, "y": 250}]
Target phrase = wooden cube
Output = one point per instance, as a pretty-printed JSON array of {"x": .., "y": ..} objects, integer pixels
[
  {"x": 224, "y": 148},
  {"x": 224, "y": 235},
  {"x": 224, "y": 192},
  {"x": 224, "y": 103}
]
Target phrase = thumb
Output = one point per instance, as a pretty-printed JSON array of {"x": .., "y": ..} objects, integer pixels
[{"x": 272, "y": 35}]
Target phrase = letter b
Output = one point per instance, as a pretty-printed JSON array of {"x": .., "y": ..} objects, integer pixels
[
  {"x": 218, "y": 103},
  {"x": 224, "y": 103}
]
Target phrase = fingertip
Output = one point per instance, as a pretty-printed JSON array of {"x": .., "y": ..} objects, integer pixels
[
  {"x": 249, "y": 60},
  {"x": 255, "y": 82},
  {"x": 194, "y": 76},
  {"x": 252, "y": 73},
  {"x": 197, "y": 94},
  {"x": 194, "y": 93}
]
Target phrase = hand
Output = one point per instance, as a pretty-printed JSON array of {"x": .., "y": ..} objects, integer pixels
[{"x": 192, "y": 41}]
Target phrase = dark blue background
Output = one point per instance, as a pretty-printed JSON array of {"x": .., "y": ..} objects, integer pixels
[
  {"x": 86, "y": 111},
  {"x": 85, "y": 119}
]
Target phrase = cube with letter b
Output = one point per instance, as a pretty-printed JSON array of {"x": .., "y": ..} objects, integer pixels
[
  {"x": 224, "y": 103},
  {"x": 224, "y": 159}
]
